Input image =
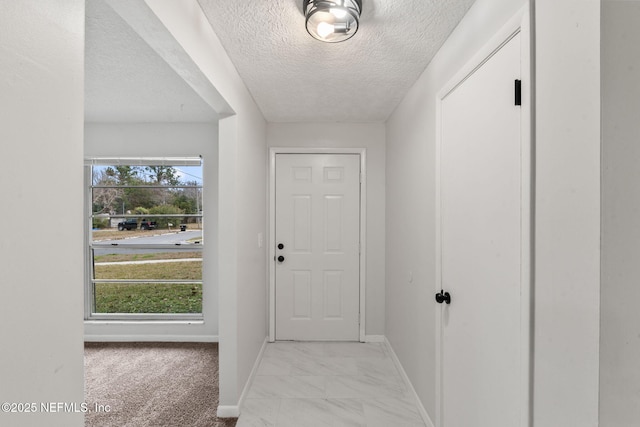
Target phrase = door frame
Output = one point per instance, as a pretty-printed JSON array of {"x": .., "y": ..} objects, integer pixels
[
  {"x": 271, "y": 253},
  {"x": 518, "y": 24}
]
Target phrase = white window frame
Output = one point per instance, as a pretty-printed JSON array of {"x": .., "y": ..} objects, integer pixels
[{"x": 90, "y": 281}]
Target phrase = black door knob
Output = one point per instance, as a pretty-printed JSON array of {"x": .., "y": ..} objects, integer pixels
[
  {"x": 443, "y": 296},
  {"x": 280, "y": 258},
  {"x": 280, "y": 246}
]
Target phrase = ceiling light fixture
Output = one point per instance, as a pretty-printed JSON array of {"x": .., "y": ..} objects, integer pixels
[{"x": 332, "y": 21}]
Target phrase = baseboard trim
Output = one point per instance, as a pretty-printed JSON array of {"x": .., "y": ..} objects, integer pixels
[
  {"x": 151, "y": 338},
  {"x": 252, "y": 375},
  {"x": 374, "y": 338},
  {"x": 228, "y": 411},
  {"x": 407, "y": 381}
]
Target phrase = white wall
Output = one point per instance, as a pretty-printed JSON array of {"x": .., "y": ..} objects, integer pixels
[
  {"x": 567, "y": 208},
  {"x": 166, "y": 140},
  {"x": 41, "y": 110},
  {"x": 242, "y": 200},
  {"x": 353, "y": 135},
  {"x": 567, "y": 214},
  {"x": 620, "y": 294},
  {"x": 410, "y": 199}
]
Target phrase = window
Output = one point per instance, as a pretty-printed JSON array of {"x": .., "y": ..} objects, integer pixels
[{"x": 144, "y": 239}]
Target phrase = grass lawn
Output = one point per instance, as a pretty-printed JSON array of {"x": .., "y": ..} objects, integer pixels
[
  {"x": 149, "y": 297},
  {"x": 160, "y": 271}
]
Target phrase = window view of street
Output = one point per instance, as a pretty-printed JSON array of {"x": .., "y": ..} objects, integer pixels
[{"x": 146, "y": 240}]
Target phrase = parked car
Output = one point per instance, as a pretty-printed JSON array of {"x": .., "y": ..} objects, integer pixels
[
  {"x": 132, "y": 224},
  {"x": 128, "y": 224},
  {"x": 147, "y": 225}
]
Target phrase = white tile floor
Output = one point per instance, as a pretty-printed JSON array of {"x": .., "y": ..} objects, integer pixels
[{"x": 305, "y": 384}]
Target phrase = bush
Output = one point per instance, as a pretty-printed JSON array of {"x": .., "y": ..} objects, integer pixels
[
  {"x": 140, "y": 210},
  {"x": 100, "y": 223},
  {"x": 165, "y": 210}
]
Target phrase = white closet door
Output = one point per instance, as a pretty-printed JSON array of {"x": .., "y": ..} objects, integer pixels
[{"x": 481, "y": 199}]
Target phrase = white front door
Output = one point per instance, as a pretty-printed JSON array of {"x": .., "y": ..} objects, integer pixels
[
  {"x": 481, "y": 246},
  {"x": 317, "y": 236}
]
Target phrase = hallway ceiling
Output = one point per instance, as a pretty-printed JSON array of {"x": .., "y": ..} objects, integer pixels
[
  {"x": 291, "y": 76},
  {"x": 127, "y": 81},
  {"x": 295, "y": 78}
]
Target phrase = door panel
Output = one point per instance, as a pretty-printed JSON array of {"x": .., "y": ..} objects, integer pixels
[
  {"x": 317, "y": 284},
  {"x": 481, "y": 241}
]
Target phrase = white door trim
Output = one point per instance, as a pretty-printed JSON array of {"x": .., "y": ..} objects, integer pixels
[
  {"x": 271, "y": 253},
  {"x": 518, "y": 24}
]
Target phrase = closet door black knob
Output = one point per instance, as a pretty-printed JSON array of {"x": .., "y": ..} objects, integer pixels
[
  {"x": 443, "y": 297},
  {"x": 280, "y": 258},
  {"x": 280, "y": 246}
]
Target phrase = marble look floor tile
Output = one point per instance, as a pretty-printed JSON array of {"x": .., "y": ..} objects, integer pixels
[
  {"x": 346, "y": 413},
  {"x": 364, "y": 387},
  {"x": 380, "y": 368},
  {"x": 355, "y": 349},
  {"x": 274, "y": 366},
  {"x": 385, "y": 412},
  {"x": 303, "y": 412},
  {"x": 314, "y": 365},
  {"x": 309, "y": 384},
  {"x": 274, "y": 386},
  {"x": 293, "y": 350},
  {"x": 259, "y": 413}
]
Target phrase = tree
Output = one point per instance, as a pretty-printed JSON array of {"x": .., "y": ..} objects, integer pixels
[
  {"x": 186, "y": 203},
  {"x": 163, "y": 175},
  {"x": 188, "y": 199},
  {"x": 138, "y": 189},
  {"x": 124, "y": 175},
  {"x": 140, "y": 197},
  {"x": 105, "y": 199}
]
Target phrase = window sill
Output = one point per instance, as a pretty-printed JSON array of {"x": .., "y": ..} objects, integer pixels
[{"x": 144, "y": 322}]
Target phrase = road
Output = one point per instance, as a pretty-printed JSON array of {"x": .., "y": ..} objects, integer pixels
[{"x": 164, "y": 239}]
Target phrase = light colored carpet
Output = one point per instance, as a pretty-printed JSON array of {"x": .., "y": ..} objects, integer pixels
[{"x": 152, "y": 384}]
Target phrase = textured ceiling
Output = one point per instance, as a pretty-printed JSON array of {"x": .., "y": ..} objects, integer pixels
[
  {"x": 295, "y": 78},
  {"x": 127, "y": 81},
  {"x": 292, "y": 77}
]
